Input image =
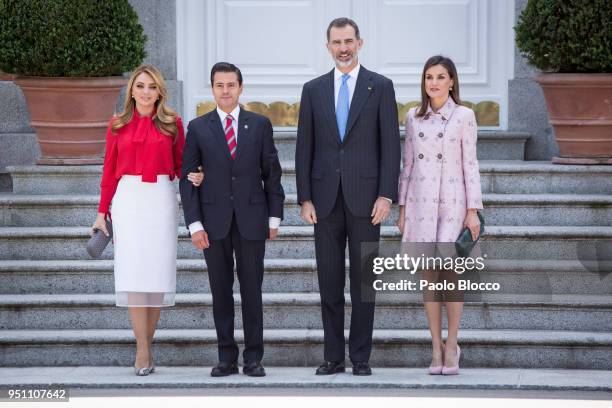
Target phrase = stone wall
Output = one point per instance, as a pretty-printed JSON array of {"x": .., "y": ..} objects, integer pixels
[{"x": 527, "y": 108}]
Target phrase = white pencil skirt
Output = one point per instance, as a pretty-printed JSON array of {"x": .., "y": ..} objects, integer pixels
[{"x": 145, "y": 227}]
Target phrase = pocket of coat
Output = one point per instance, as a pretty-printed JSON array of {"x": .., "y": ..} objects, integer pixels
[
  {"x": 257, "y": 198},
  {"x": 369, "y": 173},
  {"x": 207, "y": 198}
]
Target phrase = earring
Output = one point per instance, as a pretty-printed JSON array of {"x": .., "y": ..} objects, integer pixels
[{"x": 450, "y": 89}]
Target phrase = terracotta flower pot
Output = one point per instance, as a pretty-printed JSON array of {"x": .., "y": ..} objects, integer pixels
[
  {"x": 580, "y": 111},
  {"x": 70, "y": 116}
]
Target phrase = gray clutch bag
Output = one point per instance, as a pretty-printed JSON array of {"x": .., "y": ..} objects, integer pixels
[
  {"x": 464, "y": 243},
  {"x": 99, "y": 241}
]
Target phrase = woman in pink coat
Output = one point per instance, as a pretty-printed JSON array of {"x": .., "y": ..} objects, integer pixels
[{"x": 439, "y": 187}]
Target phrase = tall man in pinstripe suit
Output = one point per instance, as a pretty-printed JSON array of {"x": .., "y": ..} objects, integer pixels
[{"x": 347, "y": 165}]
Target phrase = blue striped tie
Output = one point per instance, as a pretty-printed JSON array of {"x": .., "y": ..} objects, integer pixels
[{"x": 342, "y": 109}]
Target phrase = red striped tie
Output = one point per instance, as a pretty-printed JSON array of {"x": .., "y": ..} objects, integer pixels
[{"x": 230, "y": 136}]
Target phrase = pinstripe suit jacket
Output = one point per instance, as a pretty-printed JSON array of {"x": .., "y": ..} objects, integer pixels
[{"x": 366, "y": 162}]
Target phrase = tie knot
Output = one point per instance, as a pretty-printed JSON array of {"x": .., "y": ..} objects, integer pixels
[
  {"x": 345, "y": 78},
  {"x": 229, "y": 118}
]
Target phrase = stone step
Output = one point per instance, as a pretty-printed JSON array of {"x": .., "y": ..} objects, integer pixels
[
  {"x": 499, "y": 242},
  {"x": 500, "y": 209},
  {"x": 304, "y": 348},
  {"x": 497, "y": 176},
  {"x": 544, "y": 277},
  {"x": 303, "y": 311},
  {"x": 492, "y": 145},
  {"x": 302, "y": 381}
]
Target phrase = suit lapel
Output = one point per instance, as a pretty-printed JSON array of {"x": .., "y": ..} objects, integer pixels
[
  {"x": 243, "y": 133},
  {"x": 327, "y": 98},
  {"x": 362, "y": 92},
  {"x": 216, "y": 128}
]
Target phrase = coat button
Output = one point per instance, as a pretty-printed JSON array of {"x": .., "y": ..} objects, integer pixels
[
  {"x": 421, "y": 155},
  {"x": 440, "y": 134},
  {"x": 439, "y": 155},
  {"x": 233, "y": 177},
  {"x": 341, "y": 151},
  {"x": 337, "y": 170},
  {"x": 231, "y": 197},
  {"x": 421, "y": 134}
]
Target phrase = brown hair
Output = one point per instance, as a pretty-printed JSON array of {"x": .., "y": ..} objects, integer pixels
[
  {"x": 164, "y": 118},
  {"x": 452, "y": 72},
  {"x": 342, "y": 22}
]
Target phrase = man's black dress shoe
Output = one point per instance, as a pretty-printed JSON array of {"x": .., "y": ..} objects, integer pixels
[
  {"x": 254, "y": 369},
  {"x": 331, "y": 367},
  {"x": 361, "y": 368},
  {"x": 224, "y": 369}
]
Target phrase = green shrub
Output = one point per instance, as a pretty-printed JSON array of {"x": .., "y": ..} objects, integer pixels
[
  {"x": 567, "y": 35},
  {"x": 69, "y": 38}
]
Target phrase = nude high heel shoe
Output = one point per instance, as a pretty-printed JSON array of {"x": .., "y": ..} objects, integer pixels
[
  {"x": 455, "y": 369},
  {"x": 436, "y": 370}
]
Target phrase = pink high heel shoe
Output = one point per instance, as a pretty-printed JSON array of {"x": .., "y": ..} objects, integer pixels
[
  {"x": 455, "y": 369},
  {"x": 436, "y": 370}
]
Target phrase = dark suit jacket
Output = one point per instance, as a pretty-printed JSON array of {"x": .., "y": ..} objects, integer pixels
[
  {"x": 250, "y": 185},
  {"x": 367, "y": 161}
]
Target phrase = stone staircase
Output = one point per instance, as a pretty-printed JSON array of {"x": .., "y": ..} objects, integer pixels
[{"x": 57, "y": 305}]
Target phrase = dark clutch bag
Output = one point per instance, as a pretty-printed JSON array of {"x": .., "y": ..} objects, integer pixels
[
  {"x": 98, "y": 241},
  {"x": 464, "y": 244}
]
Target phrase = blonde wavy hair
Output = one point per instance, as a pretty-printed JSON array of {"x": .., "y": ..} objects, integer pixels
[{"x": 164, "y": 117}]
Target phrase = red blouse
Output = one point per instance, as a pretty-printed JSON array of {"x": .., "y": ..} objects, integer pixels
[{"x": 139, "y": 148}]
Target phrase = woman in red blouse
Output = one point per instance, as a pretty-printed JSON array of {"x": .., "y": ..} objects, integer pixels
[{"x": 144, "y": 150}]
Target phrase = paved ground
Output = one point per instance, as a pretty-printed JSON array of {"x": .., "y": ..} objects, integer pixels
[{"x": 298, "y": 381}]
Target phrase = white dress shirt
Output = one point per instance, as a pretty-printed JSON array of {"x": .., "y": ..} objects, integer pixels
[
  {"x": 273, "y": 222},
  {"x": 223, "y": 116},
  {"x": 351, "y": 82}
]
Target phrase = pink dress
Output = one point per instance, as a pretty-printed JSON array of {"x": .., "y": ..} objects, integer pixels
[{"x": 440, "y": 178}]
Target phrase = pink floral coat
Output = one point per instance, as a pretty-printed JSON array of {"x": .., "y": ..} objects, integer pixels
[{"x": 440, "y": 178}]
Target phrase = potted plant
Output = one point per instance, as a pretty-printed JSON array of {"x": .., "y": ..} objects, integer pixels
[
  {"x": 571, "y": 42},
  {"x": 68, "y": 57}
]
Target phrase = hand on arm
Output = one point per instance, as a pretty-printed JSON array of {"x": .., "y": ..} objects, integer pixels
[
  {"x": 401, "y": 219},
  {"x": 109, "y": 182},
  {"x": 199, "y": 237},
  {"x": 273, "y": 223},
  {"x": 100, "y": 224},
  {"x": 472, "y": 222},
  {"x": 308, "y": 212},
  {"x": 196, "y": 178},
  {"x": 190, "y": 195},
  {"x": 304, "y": 148},
  {"x": 381, "y": 210},
  {"x": 390, "y": 148}
]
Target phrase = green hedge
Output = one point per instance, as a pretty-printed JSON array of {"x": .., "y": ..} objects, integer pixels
[
  {"x": 69, "y": 38},
  {"x": 567, "y": 35}
]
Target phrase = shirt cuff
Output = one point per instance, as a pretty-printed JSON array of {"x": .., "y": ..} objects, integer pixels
[
  {"x": 388, "y": 199},
  {"x": 195, "y": 227},
  {"x": 274, "y": 222}
]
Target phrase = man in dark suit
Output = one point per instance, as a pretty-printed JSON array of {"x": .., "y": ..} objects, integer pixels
[
  {"x": 238, "y": 206},
  {"x": 347, "y": 164}
]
